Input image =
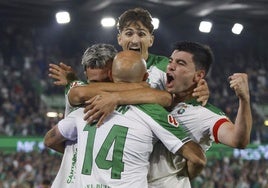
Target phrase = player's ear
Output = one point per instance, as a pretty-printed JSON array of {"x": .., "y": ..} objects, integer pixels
[
  {"x": 200, "y": 74},
  {"x": 145, "y": 77},
  {"x": 151, "y": 41},
  {"x": 119, "y": 39},
  {"x": 110, "y": 75},
  {"x": 85, "y": 73}
]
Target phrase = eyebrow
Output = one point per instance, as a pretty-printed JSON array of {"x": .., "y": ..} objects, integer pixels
[
  {"x": 130, "y": 29},
  {"x": 178, "y": 60}
]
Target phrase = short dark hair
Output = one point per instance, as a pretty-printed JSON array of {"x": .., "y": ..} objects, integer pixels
[
  {"x": 202, "y": 54},
  {"x": 98, "y": 56},
  {"x": 133, "y": 16}
]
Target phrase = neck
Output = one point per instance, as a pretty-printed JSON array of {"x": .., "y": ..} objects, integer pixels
[
  {"x": 182, "y": 97},
  {"x": 185, "y": 95},
  {"x": 145, "y": 56},
  {"x": 177, "y": 98}
]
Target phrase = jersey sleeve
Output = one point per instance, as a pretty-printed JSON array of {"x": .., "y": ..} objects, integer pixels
[
  {"x": 201, "y": 123},
  {"x": 67, "y": 126},
  {"x": 68, "y": 107},
  {"x": 157, "y": 78},
  {"x": 156, "y": 67},
  {"x": 163, "y": 126}
]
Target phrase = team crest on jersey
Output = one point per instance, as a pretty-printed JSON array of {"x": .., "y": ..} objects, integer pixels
[
  {"x": 181, "y": 108},
  {"x": 172, "y": 121},
  {"x": 76, "y": 83}
]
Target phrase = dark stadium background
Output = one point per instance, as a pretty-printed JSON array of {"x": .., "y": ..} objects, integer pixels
[{"x": 30, "y": 38}]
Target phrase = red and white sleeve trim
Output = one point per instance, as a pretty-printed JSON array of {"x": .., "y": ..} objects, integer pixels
[{"x": 216, "y": 128}]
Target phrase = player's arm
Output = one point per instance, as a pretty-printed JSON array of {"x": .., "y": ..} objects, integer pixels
[
  {"x": 165, "y": 127},
  {"x": 100, "y": 106},
  {"x": 155, "y": 96},
  {"x": 238, "y": 134},
  {"x": 144, "y": 96},
  {"x": 62, "y": 73},
  {"x": 54, "y": 140},
  {"x": 195, "y": 156},
  {"x": 78, "y": 95}
]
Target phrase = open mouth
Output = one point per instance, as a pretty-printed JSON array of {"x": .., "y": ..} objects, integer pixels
[
  {"x": 135, "y": 49},
  {"x": 169, "y": 78}
]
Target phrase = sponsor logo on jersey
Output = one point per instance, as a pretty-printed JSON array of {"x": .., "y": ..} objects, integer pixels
[
  {"x": 72, "y": 172},
  {"x": 172, "y": 121}
]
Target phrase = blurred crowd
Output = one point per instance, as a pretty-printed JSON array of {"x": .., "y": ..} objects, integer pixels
[
  {"x": 233, "y": 173},
  {"x": 24, "y": 59},
  {"x": 29, "y": 170}
]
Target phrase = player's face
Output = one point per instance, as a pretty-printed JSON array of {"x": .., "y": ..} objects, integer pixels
[
  {"x": 181, "y": 73},
  {"x": 97, "y": 75},
  {"x": 136, "y": 37}
]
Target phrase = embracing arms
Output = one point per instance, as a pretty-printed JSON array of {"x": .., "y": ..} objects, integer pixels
[{"x": 196, "y": 158}]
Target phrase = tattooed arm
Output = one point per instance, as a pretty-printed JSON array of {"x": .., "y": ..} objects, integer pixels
[{"x": 54, "y": 140}]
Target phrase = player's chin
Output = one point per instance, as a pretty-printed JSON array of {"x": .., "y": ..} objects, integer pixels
[
  {"x": 169, "y": 89},
  {"x": 169, "y": 85}
]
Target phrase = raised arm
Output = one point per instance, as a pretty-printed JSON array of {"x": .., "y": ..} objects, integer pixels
[
  {"x": 62, "y": 73},
  {"x": 238, "y": 134}
]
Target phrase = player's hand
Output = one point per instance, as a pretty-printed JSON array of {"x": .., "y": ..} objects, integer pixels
[
  {"x": 239, "y": 83},
  {"x": 60, "y": 73},
  {"x": 99, "y": 107},
  {"x": 202, "y": 92}
]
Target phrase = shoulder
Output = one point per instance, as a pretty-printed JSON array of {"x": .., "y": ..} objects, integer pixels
[
  {"x": 72, "y": 118},
  {"x": 214, "y": 109},
  {"x": 193, "y": 105},
  {"x": 158, "y": 61},
  {"x": 73, "y": 84},
  {"x": 76, "y": 112},
  {"x": 189, "y": 113},
  {"x": 155, "y": 111},
  {"x": 152, "y": 109}
]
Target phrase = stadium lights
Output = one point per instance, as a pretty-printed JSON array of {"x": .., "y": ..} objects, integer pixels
[
  {"x": 205, "y": 26},
  {"x": 266, "y": 122},
  {"x": 54, "y": 114},
  {"x": 237, "y": 28},
  {"x": 63, "y": 17},
  {"x": 108, "y": 22},
  {"x": 156, "y": 23}
]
